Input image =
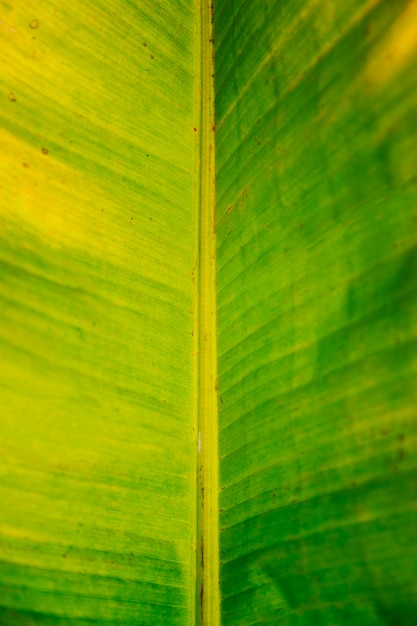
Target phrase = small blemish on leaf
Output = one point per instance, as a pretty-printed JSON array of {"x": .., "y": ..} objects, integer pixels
[
  {"x": 144, "y": 44},
  {"x": 12, "y": 97},
  {"x": 26, "y": 165},
  {"x": 152, "y": 56},
  {"x": 34, "y": 24},
  {"x": 45, "y": 151},
  {"x": 194, "y": 130}
]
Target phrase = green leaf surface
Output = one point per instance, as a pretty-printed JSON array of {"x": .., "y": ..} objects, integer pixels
[
  {"x": 316, "y": 267},
  {"x": 153, "y": 319}
]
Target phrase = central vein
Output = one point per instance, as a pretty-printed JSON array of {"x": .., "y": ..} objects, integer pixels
[{"x": 208, "y": 608}]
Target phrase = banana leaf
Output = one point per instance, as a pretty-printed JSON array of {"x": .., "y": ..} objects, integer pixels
[{"x": 208, "y": 319}]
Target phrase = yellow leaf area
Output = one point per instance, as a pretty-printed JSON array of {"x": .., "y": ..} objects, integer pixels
[
  {"x": 397, "y": 48},
  {"x": 48, "y": 198}
]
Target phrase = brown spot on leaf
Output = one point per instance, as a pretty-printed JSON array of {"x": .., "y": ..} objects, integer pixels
[
  {"x": 34, "y": 24},
  {"x": 45, "y": 151},
  {"x": 12, "y": 97}
]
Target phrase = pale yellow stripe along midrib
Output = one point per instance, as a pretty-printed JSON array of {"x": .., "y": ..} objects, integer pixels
[{"x": 207, "y": 592}]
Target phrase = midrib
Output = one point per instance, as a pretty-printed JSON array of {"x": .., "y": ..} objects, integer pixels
[{"x": 207, "y": 602}]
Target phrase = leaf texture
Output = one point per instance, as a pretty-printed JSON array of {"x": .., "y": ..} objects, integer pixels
[
  {"x": 98, "y": 452},
  {"x": 124, "y": 297},
  {"x": 316, "y": 269}
]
